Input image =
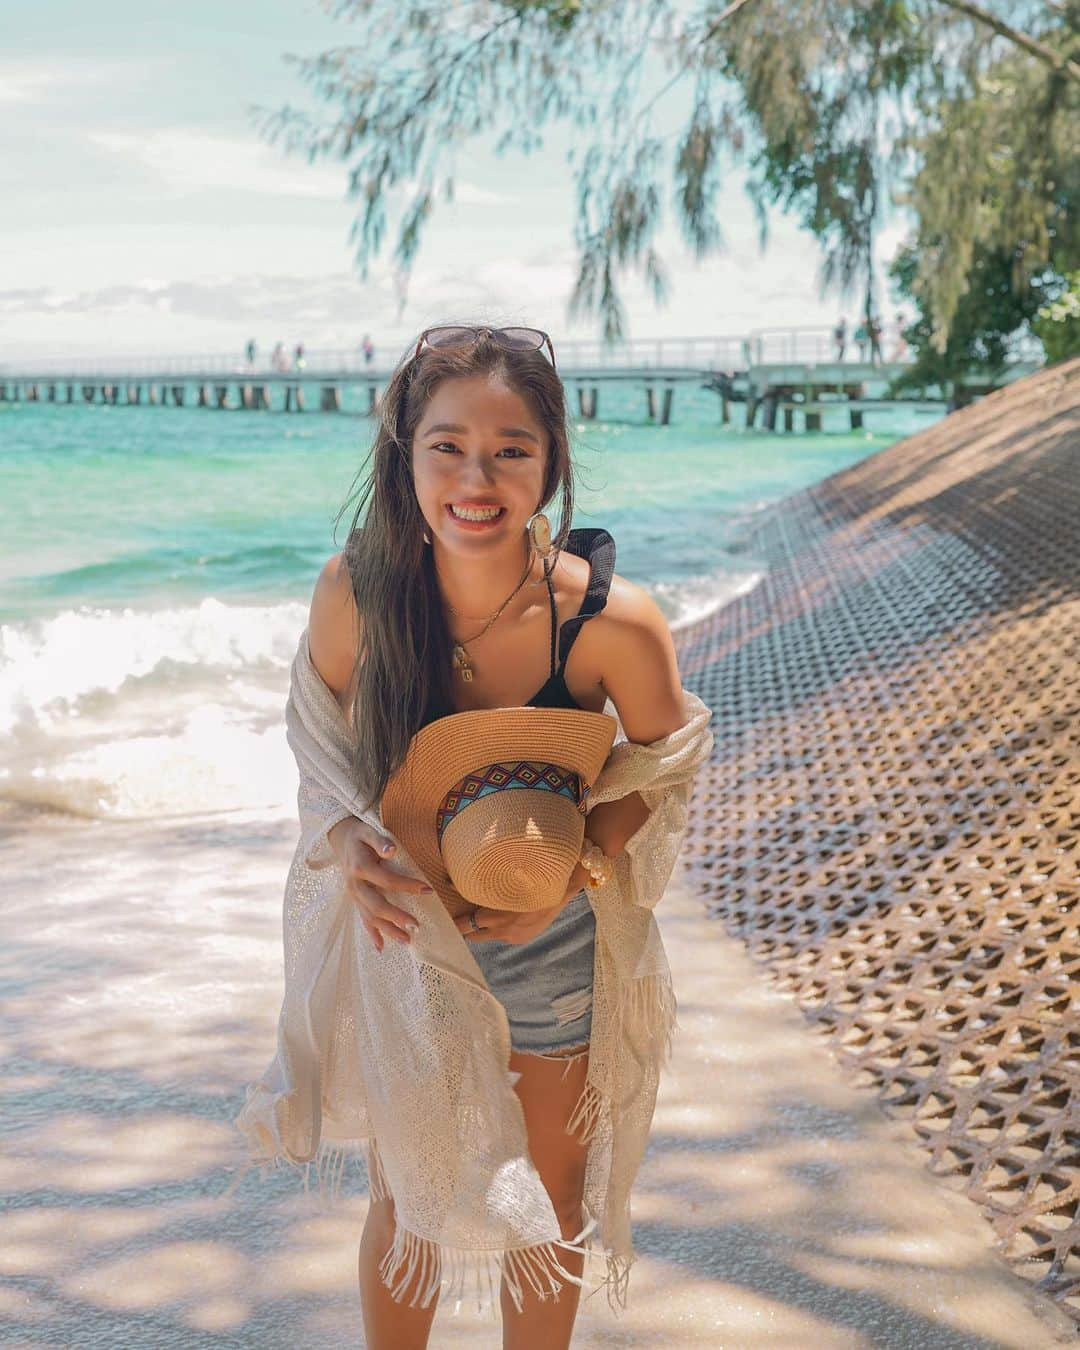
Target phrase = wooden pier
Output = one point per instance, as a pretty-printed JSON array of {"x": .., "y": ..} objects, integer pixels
[{"x": 782, "y": 377}]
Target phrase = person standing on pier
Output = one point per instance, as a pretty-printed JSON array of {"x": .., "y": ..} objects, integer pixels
[
  {"x": 250, "y": 350},
  {"x": 368, "y": 348},
  {"x": 900, "y": 350},
  {"x": 298, "y": 357},
  {"x": 840, "y": 338},
  {"x": 873, "y": 330}
]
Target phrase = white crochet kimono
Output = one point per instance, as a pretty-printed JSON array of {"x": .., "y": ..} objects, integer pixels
[{"x": 408, "y": 1050}]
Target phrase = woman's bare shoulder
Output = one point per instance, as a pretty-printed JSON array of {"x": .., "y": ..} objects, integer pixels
[
  {"x": 631, "y": 606},
  {"x": 638, "y": 666},
  {"x": 334, "y": 627},
  {"x": 631, "y": 625}
]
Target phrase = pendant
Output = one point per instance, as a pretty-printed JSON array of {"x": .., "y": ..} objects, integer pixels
[{"x": 461, "y": 661}]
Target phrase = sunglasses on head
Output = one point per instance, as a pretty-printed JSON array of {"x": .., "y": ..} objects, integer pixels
[{"x": 512, "y": 339}]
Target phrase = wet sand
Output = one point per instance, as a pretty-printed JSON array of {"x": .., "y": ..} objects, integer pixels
[{"x": 141, "y": 978}]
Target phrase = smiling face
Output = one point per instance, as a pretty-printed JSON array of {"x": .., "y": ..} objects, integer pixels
[{"x": 478, "y": 452}]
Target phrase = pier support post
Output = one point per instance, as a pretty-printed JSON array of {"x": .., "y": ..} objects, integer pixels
[
  {"x": 329, "y": 398},
  {"x": 789, "y": 418},
  {"x": 650, "y": 399},
  {"x": 373, "y": 399},
  {"x": 70, "y": 394},
  {"x": 768, "y": 412},
  {"x": 178, "y": 395},
  {"x": 3, "y": 392},
  {"x": 52, "y": 393},
  {"x": 31, "y": 393},
  {"x": 247, "y": 396},
  {"x": 151, "y": 393},
  {"x": 221, "y": 395},
  {"x": 856, "y": 419},
  {"x": 813, "y": 421},
  {"x": 294, "y": 397},
  {"x": 751, "y": 408},
  {"x": 260, "y": 396},
  {"x": 587, "y": 401},
  {"x": 665, "y": 406},
  {"x": 725, "y": 410},
  {"x": 88, "y": 393},
  {"x": 134, "y": 394},
  {"x": 203, "y": 398}
]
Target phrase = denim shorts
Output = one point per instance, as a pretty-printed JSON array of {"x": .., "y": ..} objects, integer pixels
[{"x": 546, "y": 985}]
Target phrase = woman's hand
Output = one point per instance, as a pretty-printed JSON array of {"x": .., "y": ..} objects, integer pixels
[
  {"x": 501, "y": 925},
  {"x": 360, "y": 850}
]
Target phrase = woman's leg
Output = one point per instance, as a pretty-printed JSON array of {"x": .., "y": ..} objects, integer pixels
[
  {"x": 549, "y": 1088},
  {"x": 388, "y": 1325}
]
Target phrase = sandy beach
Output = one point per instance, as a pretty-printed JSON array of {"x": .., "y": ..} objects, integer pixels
[{"x": 776, "y": 1206}]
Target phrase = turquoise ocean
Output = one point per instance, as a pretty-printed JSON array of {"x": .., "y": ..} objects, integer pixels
[{"x": 156, "y": 565}]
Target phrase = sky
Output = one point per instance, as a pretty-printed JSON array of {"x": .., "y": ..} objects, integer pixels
[{"x": 145, "y": 214}]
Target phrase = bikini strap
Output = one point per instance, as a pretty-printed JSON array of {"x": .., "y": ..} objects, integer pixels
[{"x": 599, "y": 547}]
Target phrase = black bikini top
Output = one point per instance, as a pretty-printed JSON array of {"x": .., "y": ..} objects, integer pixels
[{"x": 599, "y": 548}]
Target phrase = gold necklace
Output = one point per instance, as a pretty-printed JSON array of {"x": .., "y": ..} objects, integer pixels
[{"x": 461, "y": 658}]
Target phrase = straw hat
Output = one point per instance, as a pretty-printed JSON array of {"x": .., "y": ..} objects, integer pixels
[{"x": 491, "y": 803}]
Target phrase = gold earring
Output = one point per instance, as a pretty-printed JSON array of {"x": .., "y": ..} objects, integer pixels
[{"x": 539, "y": 530}]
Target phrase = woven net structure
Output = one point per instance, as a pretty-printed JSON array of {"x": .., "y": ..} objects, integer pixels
[{"x": 890, "y": 821}]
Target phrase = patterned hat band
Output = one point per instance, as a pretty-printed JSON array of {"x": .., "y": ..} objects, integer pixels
[
  {"x": 526, "y": 773},
  {"x": 537, "y": 776}
]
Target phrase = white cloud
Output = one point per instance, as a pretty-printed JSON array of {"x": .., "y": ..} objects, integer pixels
[
  {"x": 186, "y": 159},
  {"x": 42, "y": 82},
  {"x": 26, "y": 85}
]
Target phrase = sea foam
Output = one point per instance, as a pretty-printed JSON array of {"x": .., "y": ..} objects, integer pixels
[
  {"x": 133, "y": 715},
  {"x": 47, "y": 667}
]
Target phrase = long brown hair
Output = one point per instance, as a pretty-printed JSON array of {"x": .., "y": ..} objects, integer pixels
[{"x": 403, "y": 664}]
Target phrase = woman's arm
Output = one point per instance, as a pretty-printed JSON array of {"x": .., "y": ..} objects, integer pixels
[
  {"x": 361, "y": 850},
  {"x": 334, "y": 630},
  {"x": 641, "y": 677}
]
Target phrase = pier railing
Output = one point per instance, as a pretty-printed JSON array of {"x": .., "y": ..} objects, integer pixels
[
  {"x": 700, "y": 353},
  {"x": 808, "y": 344}
]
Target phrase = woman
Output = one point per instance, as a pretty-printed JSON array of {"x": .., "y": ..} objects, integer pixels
[{"x": 447, "y": 599}]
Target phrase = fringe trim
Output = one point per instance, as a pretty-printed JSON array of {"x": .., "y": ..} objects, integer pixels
[
  {"x": 433, "y": 1269},
  {"x": 616, "y": 1282},
  {"x": 650, "y": 1002},
  {"x": 448, "y": 1269},
  {"x": 329, "y": 1165}
]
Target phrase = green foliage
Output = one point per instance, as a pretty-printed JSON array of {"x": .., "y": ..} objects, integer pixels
[
  {"x": 1057, "y": 323},
  {"x": 561, "y": 14},
  {"x": 999, "y": 173},
  {"x": 985, "y": 322},
  {"x": 836, "y": 107}
]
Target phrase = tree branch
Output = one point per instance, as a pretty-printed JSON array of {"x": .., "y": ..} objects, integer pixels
[{"x": 1029, "y": 44}]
